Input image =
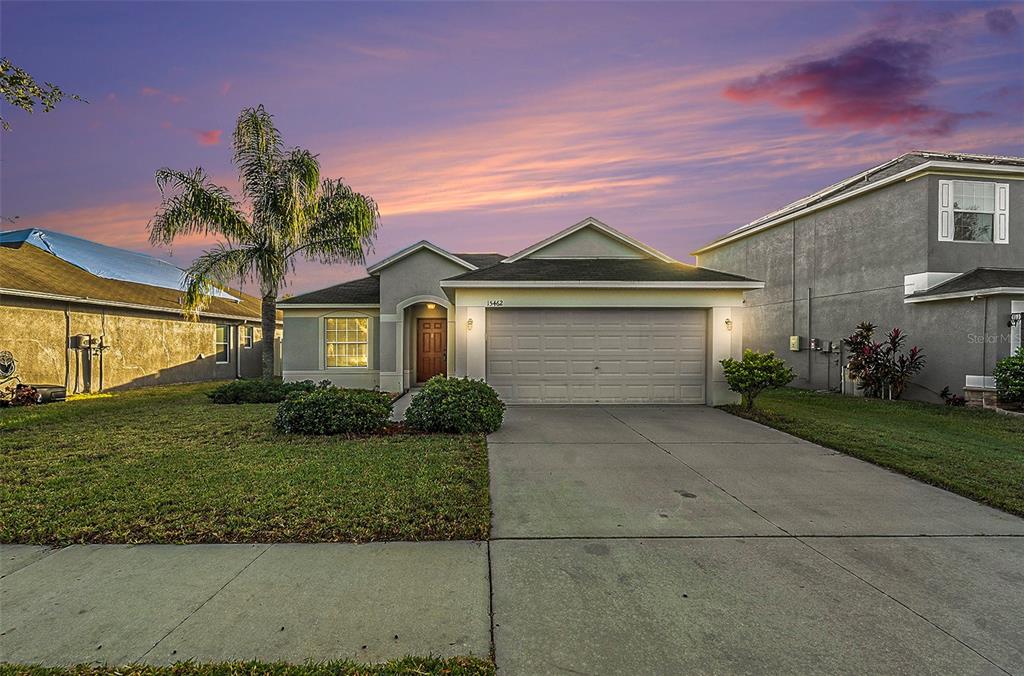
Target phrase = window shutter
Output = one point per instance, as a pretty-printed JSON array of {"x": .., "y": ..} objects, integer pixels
[
  {"x": 1001, "y": 227},
  {"x": 945, "y": 211}
]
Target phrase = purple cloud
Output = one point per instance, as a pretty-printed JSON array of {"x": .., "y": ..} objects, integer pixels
[
  {"x": 1002, "y": 21},
  {"x": 878, "y": 82}
]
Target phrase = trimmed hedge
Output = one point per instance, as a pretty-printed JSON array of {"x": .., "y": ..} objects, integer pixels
[
  {"x": 332, "y": 410},
  {"x": 457, "y": 405},
  {"x": 259, "y": 391}
]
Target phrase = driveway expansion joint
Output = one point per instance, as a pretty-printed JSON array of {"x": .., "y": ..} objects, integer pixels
[{"x": 903, "y": 605}]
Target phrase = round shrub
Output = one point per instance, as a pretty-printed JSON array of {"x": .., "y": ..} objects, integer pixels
[
  {"x": 254, "y": 391},
  {"x": 456, "y": 405},
  {"x": 332, "y": 410},
  {"x": 1009, "y": 374}
]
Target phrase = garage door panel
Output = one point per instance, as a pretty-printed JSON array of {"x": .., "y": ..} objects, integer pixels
[{"x": 640, "y": 355}]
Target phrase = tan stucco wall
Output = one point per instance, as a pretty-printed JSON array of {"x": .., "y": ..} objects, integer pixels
[
  {"x": 142, "y": 348},
  {"x": 587, "y": 243}
]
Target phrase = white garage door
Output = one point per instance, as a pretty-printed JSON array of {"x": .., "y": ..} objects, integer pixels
[{"x": 583, "y": 356}]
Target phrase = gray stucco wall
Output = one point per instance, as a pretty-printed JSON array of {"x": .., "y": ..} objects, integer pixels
[
  {"x": 850, "y": 261},
  {"x": 417, "y": 274},
  {"x": 303, "y": 347},
  {"x": 964, "y": 256}
]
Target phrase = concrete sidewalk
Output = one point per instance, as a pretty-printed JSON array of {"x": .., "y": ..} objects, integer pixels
[{"x": 167, "y": 603}]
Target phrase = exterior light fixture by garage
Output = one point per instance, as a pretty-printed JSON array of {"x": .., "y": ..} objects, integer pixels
[
  {"x": 431, "y": 306},
  {"x": 469, "y": 324},
  {"x": 728, "y": 324},
  {"x": 1015, "y": 318}
]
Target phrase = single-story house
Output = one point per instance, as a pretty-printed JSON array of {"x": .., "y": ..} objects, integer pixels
[
  {"x": 91, "y": 317},
  {"x": 588, "y": 315}
]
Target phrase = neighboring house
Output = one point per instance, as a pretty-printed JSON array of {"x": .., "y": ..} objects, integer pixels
[
  {"x": 92, "y": 317},
  {"x": 932, "y": 243},
  {"x": 587, "y": 315}
]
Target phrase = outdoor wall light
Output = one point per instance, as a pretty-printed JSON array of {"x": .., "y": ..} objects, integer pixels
[
  {"x": 1015, "y": 318},
  {"x": 469, "y": 324},
  {"x": 431, "y": 306},
  {"x": 728, "y": 325}
]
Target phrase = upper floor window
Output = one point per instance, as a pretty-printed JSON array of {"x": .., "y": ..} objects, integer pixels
[
  {"x": 220, "y": 343},
  {"x": 346, "y": 341},
  {"x": 974, "y": 211}
]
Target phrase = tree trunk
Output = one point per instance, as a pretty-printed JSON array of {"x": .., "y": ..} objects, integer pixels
[{"x": 269, "y": 326}]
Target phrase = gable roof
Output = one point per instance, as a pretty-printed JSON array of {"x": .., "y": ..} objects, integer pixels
[
  {"x": 896, "y": 169},
  {"x": 977, "y": 282},
  {"x": 599, "y": 272},
  {"x": 591, "y": 222},
  {"x": 365, "y": 291},
  {"x": 418, "y": 246},
  {"x": 31, "y": 272}
]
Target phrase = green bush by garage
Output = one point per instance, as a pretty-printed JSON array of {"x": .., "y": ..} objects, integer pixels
[{"x": 455, "y": 405}]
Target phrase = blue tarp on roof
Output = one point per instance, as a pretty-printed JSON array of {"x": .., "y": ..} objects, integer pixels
[{"x": 104, "y": 261}]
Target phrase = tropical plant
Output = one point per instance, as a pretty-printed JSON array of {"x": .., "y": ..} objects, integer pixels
[
  {"x": 21, "y": 90},
  {"x": 951, "y": 399},
  {"x": 755, "y": 373},
  {"x": 456, "y": 405},
  {"x": 882, "y": 370},
  {"x": 1009, "y": 375},
  {"x": 287, "y": 212}
]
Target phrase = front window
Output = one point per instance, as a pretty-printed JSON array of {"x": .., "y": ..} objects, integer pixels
[
  {"x": 247, "y": 333},
  {"x": 345, "y": 341},
  {"x": 220, "y": 343},
  {"x": 974, "y": 209}
]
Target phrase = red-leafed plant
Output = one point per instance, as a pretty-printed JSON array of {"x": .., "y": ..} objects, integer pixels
[
  {"x": 19, "y": 395},
  {"x": 882, "y": 370}
]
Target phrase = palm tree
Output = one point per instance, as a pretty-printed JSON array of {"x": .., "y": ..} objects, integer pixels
[{"x": 287, "y": 212}]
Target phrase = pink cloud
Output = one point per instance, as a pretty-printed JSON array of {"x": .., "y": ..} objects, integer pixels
[
  {"x": 208, "y": 137},
  {"x": 877, "y": 82},
  {"x": 167, "y": 96},
  {"x": 225, "y": 87}
]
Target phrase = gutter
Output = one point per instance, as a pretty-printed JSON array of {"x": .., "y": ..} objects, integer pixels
[
  {"x": 113, "y": 303},
  {"x": 992, "y": 291},
  {"x": 498, "y": 284}
]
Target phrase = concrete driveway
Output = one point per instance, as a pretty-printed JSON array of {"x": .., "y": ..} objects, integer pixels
[{"x": 682, "y": 539}]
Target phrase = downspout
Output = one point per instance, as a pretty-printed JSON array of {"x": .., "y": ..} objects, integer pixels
[
  {"x": 810, "y": 352},
  {"x": 984, "y": 342},
  {"x": 103, "y": 343},
  {"x": 238, "y": 351},
  {"x": 67, "y": 347}
]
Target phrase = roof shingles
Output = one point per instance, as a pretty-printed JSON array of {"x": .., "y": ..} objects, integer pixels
[
  {"x": 978, "y": 279},
  {"x": 596, "y": 270},
  {"x": 30, "y": 270}
]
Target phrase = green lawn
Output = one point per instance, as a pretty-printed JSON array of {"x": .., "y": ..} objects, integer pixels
[
  {"x": 976, "y": 453},
  {"x": 454, "y": 666},
  {"x": 164, "y": 464}
]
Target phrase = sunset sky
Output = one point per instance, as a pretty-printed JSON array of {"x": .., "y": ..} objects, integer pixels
[{"x": 485, "y": 127}]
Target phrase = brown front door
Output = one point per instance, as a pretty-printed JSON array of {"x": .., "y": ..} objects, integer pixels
[{"x": 432, "y": 348}]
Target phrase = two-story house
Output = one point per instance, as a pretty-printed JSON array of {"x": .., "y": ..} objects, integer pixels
[{"x": 932, "y": 243}]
